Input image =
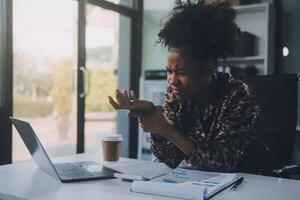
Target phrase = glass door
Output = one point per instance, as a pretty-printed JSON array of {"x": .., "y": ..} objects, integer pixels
[
  {"x": 107, "y": 58},
  {"x": 45, "y": 61},
  {"x": 68, "y": 56}
]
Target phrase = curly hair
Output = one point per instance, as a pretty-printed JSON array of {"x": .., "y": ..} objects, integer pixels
[{"x": 208, "y": 32}]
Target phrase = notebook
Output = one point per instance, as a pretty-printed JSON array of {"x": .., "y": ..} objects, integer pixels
[{"x": 186, "y": 184}]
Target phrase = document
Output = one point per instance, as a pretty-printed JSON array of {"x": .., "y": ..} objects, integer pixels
[{"x": 185, "y": 184}]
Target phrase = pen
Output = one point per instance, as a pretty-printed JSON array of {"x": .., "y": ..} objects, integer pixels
[
  {"x": 234, "y": 186},
  {"x": 237, "y": 183}
]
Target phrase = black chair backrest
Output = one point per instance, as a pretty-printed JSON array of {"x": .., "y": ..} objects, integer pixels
[{"x": 276, "y": 125}]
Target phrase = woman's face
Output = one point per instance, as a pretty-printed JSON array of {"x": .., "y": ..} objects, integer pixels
[{"x": 184, "y": 78}]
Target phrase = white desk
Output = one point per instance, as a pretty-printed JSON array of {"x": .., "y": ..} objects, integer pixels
[{"x": 26, "y": 181}]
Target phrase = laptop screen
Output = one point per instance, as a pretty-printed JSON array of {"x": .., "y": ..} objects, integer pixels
[{"x": 35, "y": 147}]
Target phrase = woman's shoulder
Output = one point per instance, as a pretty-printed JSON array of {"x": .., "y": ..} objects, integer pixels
[{"x": 232, "y": 85}]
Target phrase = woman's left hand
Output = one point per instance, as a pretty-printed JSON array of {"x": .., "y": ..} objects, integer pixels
[{"x": 155, "y": 121}]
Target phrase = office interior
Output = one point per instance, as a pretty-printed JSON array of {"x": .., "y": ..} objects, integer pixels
[{"x": 60, "y": 59}]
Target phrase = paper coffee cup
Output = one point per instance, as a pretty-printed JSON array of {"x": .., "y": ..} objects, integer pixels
[{"x": 111, "y": 147}]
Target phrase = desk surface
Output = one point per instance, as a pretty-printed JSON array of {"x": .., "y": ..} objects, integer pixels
[{"x": 26, "y": 181}]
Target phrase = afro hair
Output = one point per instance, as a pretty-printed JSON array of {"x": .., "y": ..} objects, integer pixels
[{"x": 207, "y": 31}]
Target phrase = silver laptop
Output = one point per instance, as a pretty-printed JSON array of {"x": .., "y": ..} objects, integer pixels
[{"x": 64, "y": 172}]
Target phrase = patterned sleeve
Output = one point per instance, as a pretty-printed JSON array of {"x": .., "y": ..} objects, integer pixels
[
  {"x": 231, "y": 132},
  {"x": 164, "y": 150}
]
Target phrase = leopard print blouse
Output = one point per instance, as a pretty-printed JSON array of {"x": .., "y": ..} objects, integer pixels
[{"x": 221, "y": 131}]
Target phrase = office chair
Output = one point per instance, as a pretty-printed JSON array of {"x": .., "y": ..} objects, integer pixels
[{"x": 276, "y": 125}]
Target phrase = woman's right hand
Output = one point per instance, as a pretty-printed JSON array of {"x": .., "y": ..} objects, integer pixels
[{"x": 130, "y": 102}]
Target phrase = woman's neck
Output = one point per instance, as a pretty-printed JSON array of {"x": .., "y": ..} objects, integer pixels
[
  {"x": 203, "y": 98},
  {"x": 205, "y": 95}
]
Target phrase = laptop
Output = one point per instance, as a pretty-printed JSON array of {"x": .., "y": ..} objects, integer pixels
[{"x": 64, "y": 172}]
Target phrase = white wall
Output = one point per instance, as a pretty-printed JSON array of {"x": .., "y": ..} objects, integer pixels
[
  {"x": 124, "y": 80},
  {"x": 155, "y": 13}
]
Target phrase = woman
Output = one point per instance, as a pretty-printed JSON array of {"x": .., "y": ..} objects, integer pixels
[{"x": 208, "y": 116}]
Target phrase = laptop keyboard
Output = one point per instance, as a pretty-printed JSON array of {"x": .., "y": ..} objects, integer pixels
[
  {"x": 149, "y": 170},
  {"x": 71, "y": 171}
]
